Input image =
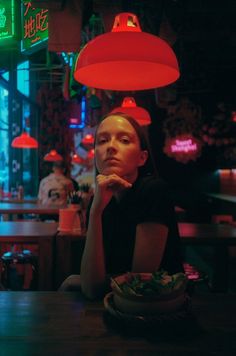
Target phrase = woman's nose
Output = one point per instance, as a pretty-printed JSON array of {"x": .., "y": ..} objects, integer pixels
[{"x": 112, "y": 145}]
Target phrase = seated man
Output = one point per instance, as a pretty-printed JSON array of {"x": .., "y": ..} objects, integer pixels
[{"x": 54, "y": 189}]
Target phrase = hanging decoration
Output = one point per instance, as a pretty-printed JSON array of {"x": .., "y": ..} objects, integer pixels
[
  {"x": 77, "y": 159},
  {"x": 220, "y": 130},
  {"x": 182, "y": 130},
  {"x": 90, "y": 154},
  {"x": 53, "y": 156},
  {"x": 219, "y": 133},
  {"x": 183, "y": 148},
  {"x": 87, "y": 141},
  {"x": 24, "y": 141},
  {"x": 129, "y": 107},
  {"x": 126, "y": 59},
  {"x": 54, "y": 130}
]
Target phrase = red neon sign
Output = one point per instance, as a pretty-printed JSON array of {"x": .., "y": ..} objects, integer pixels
[{"x": 183, "y": 148}]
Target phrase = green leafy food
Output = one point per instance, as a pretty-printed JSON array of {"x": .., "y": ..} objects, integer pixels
[{"x": 159, "y": 283}]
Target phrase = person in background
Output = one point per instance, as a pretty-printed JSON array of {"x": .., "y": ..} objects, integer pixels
[
  {"x": 74, "y": 182},
  {"x": 131, "y": 219},
  {"x": 54, "y": 189}
]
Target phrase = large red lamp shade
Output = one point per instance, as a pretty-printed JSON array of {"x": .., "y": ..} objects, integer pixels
[
  {"x": 53, "y": 156},
  {"x": 129, "y": 107},
  {"x": 24, "y": 141},
  {"x": 126, "y": 59}
]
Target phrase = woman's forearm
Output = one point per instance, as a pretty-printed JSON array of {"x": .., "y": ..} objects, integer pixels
[{"x": 92, "y": 273}]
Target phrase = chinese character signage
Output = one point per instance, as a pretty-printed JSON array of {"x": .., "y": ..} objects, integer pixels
[
  {"x": 7, "y": 25},
  {"x": 34, "y": 26}
]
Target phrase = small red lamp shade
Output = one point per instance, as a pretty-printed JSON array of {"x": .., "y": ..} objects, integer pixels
[
  {"x": 90, "y": 154},
  {"x": 24, "y": 141},
  {"x": 129, "y": 107},
  {"x": 52, "y": 156},
  {"x": 87, "y": 140},
  {"x": 77, "y": 159},
  {"x": 126, "y": 59}
]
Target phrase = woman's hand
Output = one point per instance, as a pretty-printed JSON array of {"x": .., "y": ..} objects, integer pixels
[{"x": 106, "y": 187}]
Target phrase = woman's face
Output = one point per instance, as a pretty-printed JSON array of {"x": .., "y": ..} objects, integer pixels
[{"x": 117, "y": 148}]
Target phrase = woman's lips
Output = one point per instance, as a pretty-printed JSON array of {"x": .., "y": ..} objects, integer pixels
[{"x": 111, "y": 159}]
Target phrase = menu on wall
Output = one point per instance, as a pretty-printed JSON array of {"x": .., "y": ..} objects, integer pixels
[
  {"x": 7, "y": 20},
  {"x": 34, "y": 27}
]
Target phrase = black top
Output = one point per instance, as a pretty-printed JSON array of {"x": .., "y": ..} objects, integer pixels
[{"x": 147, "y": 201}]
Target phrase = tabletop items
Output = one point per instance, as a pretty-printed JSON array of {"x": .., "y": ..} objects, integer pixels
[
  {"x": 149, "y": 293},
  {"x": 71, "y": 218},
  {"x": 148, "y": 298}
]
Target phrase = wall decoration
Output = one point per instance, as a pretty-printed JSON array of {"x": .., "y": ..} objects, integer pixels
[
  {"x": 183, "y": 148},
  {"x": 182, "y": 129},
  {"x": 34, "y": 27},
  {"x": 54, "y": 129},
  {"x": 7, "y": 19}
]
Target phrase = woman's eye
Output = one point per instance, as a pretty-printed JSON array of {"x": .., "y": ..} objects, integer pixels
[
  {"x": 102, "y": 140},
  {"x": 125, "y": 140}
]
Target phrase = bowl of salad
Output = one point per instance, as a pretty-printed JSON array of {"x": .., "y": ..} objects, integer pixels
[{"x": 148, "y": 293}]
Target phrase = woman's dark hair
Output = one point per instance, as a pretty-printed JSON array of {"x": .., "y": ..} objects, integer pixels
[{"x": 148, "y": 167}]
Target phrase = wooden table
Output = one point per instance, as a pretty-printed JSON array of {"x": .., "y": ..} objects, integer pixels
[
  {"x": 33, "y": 232},
  {"x": 57, "y": 323},
  {"x": 19, "y": 201},
  {"x": 219, "y": 237},
  {"x": 226, "y": 197},
  {"x": 223, "y": 204},
  {"x": 28, "y": 208}
]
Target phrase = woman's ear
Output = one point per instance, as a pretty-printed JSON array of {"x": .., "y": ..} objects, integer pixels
[{"x": 143, "y": 158}]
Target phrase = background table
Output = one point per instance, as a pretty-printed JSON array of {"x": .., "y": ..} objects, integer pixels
[
  {"x": 19, "y": 201},
  {"x": 28, "y": 208},
  {"x": 57, "y": 323},
  {"x": 222, "y": 204},
  {"x": 219, "y": 237},
  {"x": 35, "y": 232}
]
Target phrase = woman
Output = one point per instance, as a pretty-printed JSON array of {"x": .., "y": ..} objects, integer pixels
[{"x": 131, "y": 223}]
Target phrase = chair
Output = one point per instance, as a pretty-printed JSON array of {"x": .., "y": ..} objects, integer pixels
[{"x": 19, "y": 270}]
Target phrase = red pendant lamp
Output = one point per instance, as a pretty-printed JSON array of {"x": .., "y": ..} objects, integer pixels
[
  {"x": 53, "y": 156},
  {"x": 77, "y": 159},
  {"x": 129, "y": 107},
  {"x": 88, "y": 140},
  {"x": 126, "y": 59},
  {"x": 90, "y": 154},
  {"x": 24, "y": 141}
]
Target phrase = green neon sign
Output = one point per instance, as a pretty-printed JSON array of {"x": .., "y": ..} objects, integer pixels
[
  {"x": 7, "y": 19},
  {"x": 34, "y": 26}
]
